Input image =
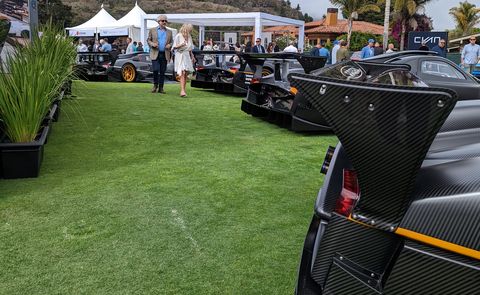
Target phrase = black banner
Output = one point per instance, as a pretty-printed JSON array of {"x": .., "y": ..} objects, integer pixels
[{"x": 431, "y": 39}]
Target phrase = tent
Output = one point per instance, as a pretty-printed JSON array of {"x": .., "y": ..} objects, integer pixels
[
  {"x": 132, "y": 21},
  {"x": 102, "y": 23},
  {"x": 252, "y": 19}
]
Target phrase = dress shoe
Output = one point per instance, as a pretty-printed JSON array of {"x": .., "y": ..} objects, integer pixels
[{"x": 154, "y": 89}]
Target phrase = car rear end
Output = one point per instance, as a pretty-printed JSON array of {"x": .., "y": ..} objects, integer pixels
[{"x": 399, "y": 211}]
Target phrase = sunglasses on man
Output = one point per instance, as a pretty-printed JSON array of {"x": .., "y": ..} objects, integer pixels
[{"x": 162, "y": 21}]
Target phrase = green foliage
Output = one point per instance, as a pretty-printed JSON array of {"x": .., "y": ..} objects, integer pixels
[
  {"x": 4, "y": 28},
  {"x": 56, "y": 12},
  {"x": 284, "y": 41},
  {"x": 466, "y": 17},
  {"x": 371, "y": 16},
  {"x": 35, "y": 74},
  {"x": 359, "y": 40}
]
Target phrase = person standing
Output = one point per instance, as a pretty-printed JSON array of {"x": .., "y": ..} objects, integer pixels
[
  {"x": 470, "y": 54},
  {"x": 424, "y": 46},
  {"x": 367, "y": 51},
  {"x": 105, "y": 46},
  {"x": 377, "y": 50},
  {"x": 275, "y": 47},
  {"x": 342, "y": 53},
  {"x": 140, "y": 47},
  {"x": 160, "y": 43},
  {"x": 391, "y": 48},
  {"x": 336, "y": 47},
  {"x": 258, "y": 48},
  {"x": 291, "y": 48},
  {"x": 440, "y": 48},
  {"x": 184, "y": 58}
]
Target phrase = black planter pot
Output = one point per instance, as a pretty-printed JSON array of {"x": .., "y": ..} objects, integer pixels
[
  {"x": 23, "y": 160},
  {"x": 58, "y": 103}
]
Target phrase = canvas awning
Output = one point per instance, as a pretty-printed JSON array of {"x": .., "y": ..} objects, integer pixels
[
  {"x": 252, "y": 19},
  {"x": 101, "y": 21}
]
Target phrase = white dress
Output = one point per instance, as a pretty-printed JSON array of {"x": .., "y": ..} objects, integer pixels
[{"x": 183, "y": 62}]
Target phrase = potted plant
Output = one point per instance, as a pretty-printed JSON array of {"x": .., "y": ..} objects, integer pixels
[{"x": 35, "y": 75}]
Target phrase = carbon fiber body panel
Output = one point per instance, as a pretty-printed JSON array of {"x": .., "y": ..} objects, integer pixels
[
  {"x": 370, "y": 248},
  {"x": 425, "y": 270},
  {"x": 374, "y": 122}
]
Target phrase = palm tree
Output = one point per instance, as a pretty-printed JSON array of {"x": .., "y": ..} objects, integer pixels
[
  {"x": 353, "y": 8},
  {"x": 466, "y": 16},
  {"x": 405, "y": 11}
]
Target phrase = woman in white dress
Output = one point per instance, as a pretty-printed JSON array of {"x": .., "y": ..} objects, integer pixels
[{"x": 184, "y": 58}]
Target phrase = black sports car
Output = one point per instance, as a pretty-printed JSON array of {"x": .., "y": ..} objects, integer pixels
[
  {"x": 270, "y": 96},
  {"x": 93, "y": 64},
  {"x": 135, "y": 67},
  {"x": 431, "y": 68},
  {"x": 213, "y": 69},
  {"x": 399, "y": 210}
]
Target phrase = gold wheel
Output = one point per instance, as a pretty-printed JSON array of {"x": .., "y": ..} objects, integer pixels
[{"x": 128, "y": 73}]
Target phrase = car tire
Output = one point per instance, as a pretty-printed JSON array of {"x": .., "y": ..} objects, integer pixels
[{"x": 129, "y": 73}]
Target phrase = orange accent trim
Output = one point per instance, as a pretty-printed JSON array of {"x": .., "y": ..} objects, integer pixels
[
  {"x": 438, "y": 243},
  {"x": 293, "y": 90}
]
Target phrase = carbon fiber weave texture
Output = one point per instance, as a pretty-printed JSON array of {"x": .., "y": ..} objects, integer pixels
[
  {"x": 340, "y": 282},
  {"x": 368, "y": 247},
  {"x": 386, "y": 132},
  {"x": 428, "y": 271}
]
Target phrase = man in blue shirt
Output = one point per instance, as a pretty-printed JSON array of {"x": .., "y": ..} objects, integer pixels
[
  {"x": 160, "y": 42},
  {"x": 367, "y": 51},
  {"x": 470, "y": 54},
  {"x": 106, "y": 47},
  {"x": 440, "y": 48}
]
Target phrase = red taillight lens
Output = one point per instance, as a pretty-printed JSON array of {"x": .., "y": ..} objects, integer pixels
[
  {"x": 255, "y": 80},
  {"x": 233, "y": 70},
  {"x": 350, "y": 193},
  {"x": 200, "y": 68}
]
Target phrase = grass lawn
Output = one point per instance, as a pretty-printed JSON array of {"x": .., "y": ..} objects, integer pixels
[{"x": 144, "y": 193}]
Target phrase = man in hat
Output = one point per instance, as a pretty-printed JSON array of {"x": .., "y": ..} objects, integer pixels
[
  {"x": 367, "y": 51},
  {"x": 160, "y": 42}
]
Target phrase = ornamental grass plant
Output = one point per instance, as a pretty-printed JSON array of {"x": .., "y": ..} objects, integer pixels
[{"x": 36, "y": 72}]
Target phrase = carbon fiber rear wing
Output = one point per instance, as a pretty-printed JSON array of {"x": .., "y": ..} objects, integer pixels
[
  {"x": 257, "y": 60},
  {"x": 386, "y": 132}
]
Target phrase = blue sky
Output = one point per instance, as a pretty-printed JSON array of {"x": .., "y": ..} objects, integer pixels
[{"x": 436, "y": 9}]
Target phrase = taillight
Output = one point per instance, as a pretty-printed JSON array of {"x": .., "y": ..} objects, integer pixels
[
  {"x": 255, "y": 80},
  {"x": 200, "y": 68},
  {"x": 350, "y": 193},
  {"x": 233, "y": 70}
]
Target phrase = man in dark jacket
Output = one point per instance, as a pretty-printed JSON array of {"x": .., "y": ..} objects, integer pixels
[
  {"x": 441, "y": 48},
  {"x": 258, "y": 48}
]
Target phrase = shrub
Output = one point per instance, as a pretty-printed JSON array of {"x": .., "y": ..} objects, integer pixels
[{"x": 36, "y": 73}]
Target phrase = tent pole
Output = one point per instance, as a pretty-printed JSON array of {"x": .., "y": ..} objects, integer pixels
[
  {"x": 201, "y": 35},
  {"x": 258, "y": 27},
  {"x": 301, "y": 37}
]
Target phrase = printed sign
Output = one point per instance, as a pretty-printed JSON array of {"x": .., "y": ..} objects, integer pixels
[
  {"x": 113, "y": 32},
  {"x": 81, "y": 33},
  {"x": 431, "y": 39}
]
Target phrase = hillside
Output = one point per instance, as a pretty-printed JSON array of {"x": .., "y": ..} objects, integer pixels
[{"x": 85, "y": 9}]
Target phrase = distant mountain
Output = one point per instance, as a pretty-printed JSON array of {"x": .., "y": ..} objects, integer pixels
[{"x": 85, "y": 9}]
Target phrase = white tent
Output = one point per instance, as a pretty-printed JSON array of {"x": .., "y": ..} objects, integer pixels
[
  {"x": 253, "y": 19},
  {"x": 133, "y": 21},
  {"x": 102, "y": 23}
]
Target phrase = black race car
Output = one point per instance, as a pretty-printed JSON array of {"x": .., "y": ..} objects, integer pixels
[
  {"x": 270, "y": 96},
  {"x": 135, "y": 67},
  {"x": 93, "y": 64},
  {"x": 431, "y": 68},
  {"x": 399, "y": 210},
  {"x": 214, "y": 69}
]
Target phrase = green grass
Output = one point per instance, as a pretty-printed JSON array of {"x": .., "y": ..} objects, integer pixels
[{"x": 144, "y": 193}]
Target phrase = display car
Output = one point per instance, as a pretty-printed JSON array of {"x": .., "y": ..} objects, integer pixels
[
  {"x": 399, "y": 210},
  {"x": 431, "y": 68},
  {"x": 270, "y": 96},
  {"x": 93, "y": 64},
  {"x": 135, "y": 67},
  {"x": 476, "y": 71},
  {"x": 215, "y": 68}
]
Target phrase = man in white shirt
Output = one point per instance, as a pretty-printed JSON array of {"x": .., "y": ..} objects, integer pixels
[
  {"x": 291, "y": 48},
  {"x": 334, "y": 50},
  {"x": 470, "y": 54}
]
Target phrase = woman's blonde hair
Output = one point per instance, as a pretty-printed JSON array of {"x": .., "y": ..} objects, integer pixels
[{"x": 186, "y": 29}]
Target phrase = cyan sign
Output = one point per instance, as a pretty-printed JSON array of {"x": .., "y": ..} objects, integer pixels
[{"x": 431, "y": 39}]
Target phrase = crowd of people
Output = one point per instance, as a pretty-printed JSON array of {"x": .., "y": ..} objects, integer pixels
[
  {"x": 163, "y": 47},
  {"x": 102, "y": 45}
]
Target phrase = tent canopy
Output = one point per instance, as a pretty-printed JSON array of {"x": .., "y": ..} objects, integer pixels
[
  {"x": 253, "y": 19},
  {"x": 102, "y": 19},
  {"x": 134, "y": 18}
]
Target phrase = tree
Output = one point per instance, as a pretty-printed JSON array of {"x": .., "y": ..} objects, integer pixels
[
  {"x": 405, "y": 11},
  {"x": 466, "y": 17},
  {"x": 307, "y": 18},
  {"x": 371, "y": 16},
  {"x": 56, "y": 11},
  {"x": 352, "y": 9},
  {"x": 423, "y": 23}
]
